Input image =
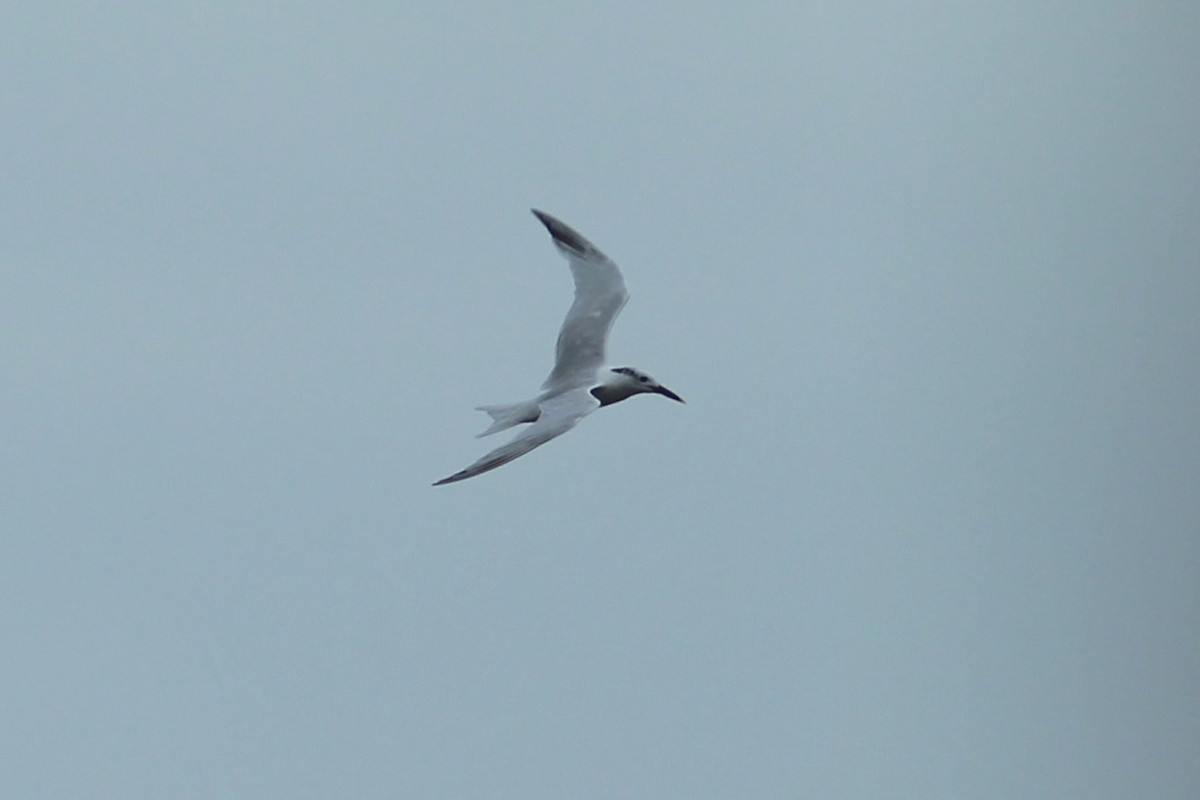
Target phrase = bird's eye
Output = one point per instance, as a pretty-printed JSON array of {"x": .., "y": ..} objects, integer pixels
[{"x": 643, "y": 379}]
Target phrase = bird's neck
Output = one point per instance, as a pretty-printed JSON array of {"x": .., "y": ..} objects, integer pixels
[{"x": 614, "y": 390}]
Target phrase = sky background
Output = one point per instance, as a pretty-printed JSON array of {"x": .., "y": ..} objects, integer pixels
[{"x": 927, "y": 274}]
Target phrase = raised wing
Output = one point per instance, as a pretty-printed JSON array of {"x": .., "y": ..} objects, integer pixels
[
  {"x": 599, "y": 296},
  {"x": 559, "y": 414}
]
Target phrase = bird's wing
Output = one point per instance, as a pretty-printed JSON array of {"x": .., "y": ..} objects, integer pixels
[
  {"x": 599, "y": 296},
  {"x": 558, "y": 415}
]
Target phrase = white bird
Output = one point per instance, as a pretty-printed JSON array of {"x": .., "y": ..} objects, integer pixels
[{"x": 580, "y": 382}]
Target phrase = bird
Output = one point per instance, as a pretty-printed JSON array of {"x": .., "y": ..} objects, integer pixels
[{"x": 581, "y": 381}]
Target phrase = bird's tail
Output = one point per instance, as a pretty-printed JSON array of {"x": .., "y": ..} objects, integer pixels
[{"x": 506, "y": 416}]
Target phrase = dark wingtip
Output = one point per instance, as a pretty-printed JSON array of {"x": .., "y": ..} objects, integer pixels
[{"x": 563, "y": 233}]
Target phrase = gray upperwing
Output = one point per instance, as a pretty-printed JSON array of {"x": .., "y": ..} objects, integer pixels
[
  {"x": 599, "y": 296},
  {"x": 558, "y": 415}
]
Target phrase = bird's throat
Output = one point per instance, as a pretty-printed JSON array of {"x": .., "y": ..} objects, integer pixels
[{"x": 607, "y": 394}]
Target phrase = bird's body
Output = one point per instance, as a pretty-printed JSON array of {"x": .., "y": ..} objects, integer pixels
[{"x": 580, "y": 381}]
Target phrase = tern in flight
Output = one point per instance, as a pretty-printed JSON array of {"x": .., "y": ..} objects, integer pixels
[{"x": 580, "y": 382}]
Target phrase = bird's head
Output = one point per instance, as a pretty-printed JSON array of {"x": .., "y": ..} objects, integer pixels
[{"x": 634, "y": 381}]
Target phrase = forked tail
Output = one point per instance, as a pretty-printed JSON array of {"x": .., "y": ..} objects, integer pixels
[{"x": 506, "y": 416}]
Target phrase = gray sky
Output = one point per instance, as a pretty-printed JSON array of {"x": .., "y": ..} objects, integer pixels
[{"x": 928, "y": 277}]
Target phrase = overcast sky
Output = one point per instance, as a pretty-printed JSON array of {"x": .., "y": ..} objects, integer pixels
[{"x": 928, "y": 276}]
